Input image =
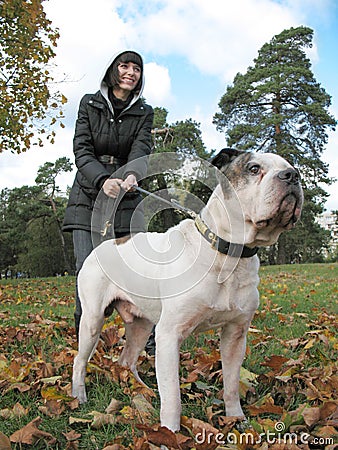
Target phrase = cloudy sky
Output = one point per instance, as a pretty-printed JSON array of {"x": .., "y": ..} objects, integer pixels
[{"x": 192, "y": 50}]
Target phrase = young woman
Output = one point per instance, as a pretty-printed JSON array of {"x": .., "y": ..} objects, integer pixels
[{"x": 113, "y": 129}]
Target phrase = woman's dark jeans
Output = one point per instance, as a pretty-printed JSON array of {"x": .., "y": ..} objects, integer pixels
[{"x": 83, "y": 246}]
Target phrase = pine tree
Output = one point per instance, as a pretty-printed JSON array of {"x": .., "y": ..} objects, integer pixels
[{"x": 278, "y": 106}]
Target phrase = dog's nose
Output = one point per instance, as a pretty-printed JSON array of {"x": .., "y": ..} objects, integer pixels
[{"x": 290, "y": 176}]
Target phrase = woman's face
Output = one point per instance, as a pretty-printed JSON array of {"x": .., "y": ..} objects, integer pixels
[{"x": 129, "y": 75}]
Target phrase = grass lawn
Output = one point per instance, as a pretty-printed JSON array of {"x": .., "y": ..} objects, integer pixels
[{"x": 289, "y": 376}]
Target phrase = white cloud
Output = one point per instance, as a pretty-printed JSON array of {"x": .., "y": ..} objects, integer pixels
[
  {"x": 18, "y": 170},
  {"x": 219, "y": 38},
  {"x": 213, "y": 140},
  {"x": 158, "y": 84},
  {"x": 91, "y": 33}
]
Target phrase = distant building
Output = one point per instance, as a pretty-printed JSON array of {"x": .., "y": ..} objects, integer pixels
[{"x": 329, "y": 221}]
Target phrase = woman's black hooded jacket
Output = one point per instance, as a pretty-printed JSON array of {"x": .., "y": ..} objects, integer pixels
[{"x": 99, "y": 136}]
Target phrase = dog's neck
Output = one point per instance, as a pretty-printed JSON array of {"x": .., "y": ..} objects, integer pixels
[
  {"x": 225, "y": 217},
  {"x": 216, "y": 215}
]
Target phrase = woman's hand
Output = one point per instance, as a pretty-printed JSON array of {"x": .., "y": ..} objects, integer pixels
[
  {"x": 129, "y": 183},
  {"x": 112, "y": 186}
]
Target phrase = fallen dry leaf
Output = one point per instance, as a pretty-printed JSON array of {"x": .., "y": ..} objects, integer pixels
[
  {"x": 78, "y": 420},
  {"x": 275, "y": 362},
  {"x": 72, "y": 445},
  {"x": 199, "y": 430},
  {"x": 72, "y": 440},
  {"x": 53, "y": 393},
  {"x": 101, "y": 419},
  {"x": 72, "y": 435},
  {"x": 145, "y": 410},
  {"x": 265, "y": 405},
  {"x": 162, "y": 436},
  {"x": 114, "y": 406},
  {"x": 52, "y": 408},
  {"x": 31, "y": 433},
  {"x": 284, "y": 446},
  {"x": 51, "y": 380},
  {"x": 17, "y": 411},
  {"x": 114, "y": 447},
  {"x": 311, "y": 416},
  {"x": 5, "y": 443},
  {"x": 128, "y": 413},
  {"x": 326, "y": 431}
]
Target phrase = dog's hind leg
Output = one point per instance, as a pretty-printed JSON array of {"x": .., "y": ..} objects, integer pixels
[
  {"x": 137, "y": 333},
  {"x": 89, "y": 334}
]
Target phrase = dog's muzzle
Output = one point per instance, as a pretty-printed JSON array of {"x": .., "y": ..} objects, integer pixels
[
  {"x": 289, "y": 211},
  {"x": 289, "y": 194}
]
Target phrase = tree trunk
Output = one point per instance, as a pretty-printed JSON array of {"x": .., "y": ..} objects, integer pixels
[
  {"x": 272, "y": 255},
  {"x": 281, "y": 252},
  {"x": 62, "y": 239},
  {"x": 168, "y": 214}
]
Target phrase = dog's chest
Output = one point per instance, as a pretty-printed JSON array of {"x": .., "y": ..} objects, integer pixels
[
  {"x": 226, "y": 302},
  {"x": 233, "y": 288},
  {"x": 216, "y": 319},
  {"x": 213, "y": 318}
]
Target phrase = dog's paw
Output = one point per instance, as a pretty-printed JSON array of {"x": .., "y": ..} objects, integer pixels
[{"x": 80, "y": 395}]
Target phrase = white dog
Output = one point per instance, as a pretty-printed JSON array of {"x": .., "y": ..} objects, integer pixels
[{"x": 190, "y": 279}]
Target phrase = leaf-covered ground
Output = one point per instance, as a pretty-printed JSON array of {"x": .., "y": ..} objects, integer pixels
[{"x": 288, "y": 387}]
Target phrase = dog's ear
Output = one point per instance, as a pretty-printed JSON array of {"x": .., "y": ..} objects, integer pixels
[{"x": 225, "y": 156}]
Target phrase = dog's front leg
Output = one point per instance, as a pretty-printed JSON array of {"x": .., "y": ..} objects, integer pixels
[
  {"x": 232, "y": 346},
  {"x": 167, "y": 373}
]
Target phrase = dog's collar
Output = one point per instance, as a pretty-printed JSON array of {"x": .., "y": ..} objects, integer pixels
[{"x": 222, "y": 246}]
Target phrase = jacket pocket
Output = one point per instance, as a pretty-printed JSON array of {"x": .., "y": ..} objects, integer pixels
[{"x": 86, "y": 187}]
